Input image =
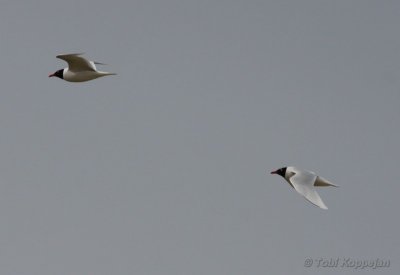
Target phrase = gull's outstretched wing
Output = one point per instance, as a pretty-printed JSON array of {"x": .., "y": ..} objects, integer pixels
[
  {"x": 303, "y": 182},
  {"x": 77, "y": 63}
]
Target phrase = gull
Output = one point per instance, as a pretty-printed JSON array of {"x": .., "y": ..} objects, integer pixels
[
  {"x": 79, "y": 69},
  {"x": 304, "y": 183}
]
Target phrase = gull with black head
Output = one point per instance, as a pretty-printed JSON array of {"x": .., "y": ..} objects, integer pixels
[
  {"x": 79, "y": 69},
  {"x": 304, "y": 182}
]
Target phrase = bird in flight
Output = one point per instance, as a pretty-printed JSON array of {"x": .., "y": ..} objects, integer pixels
[
  {"x": 304, "y": 182},
  {"x": 79, "y": 69}
]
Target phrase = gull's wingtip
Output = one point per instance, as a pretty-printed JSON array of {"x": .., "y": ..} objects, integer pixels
[
  {"x": 99, "y": 63},
  {"x": 65, "y": 54}
]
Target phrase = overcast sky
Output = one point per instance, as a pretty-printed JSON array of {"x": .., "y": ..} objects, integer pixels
[{"x": 164, "y": 168}]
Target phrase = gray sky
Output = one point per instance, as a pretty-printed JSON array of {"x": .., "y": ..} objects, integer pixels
[{"x": 164, "y": 168}]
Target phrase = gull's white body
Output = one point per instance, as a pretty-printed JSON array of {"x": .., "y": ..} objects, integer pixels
[
  {"x": 304, "y": 182},
  {"x": 79, "y": 69},
  {"x": 73, "y": 76}
]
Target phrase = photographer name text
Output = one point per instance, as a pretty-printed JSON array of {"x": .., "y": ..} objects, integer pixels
[{"x": 347, "y": 263}]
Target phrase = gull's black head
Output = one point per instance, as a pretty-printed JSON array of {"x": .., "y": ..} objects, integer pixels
[
  {"x": 59, "y": 74},
  {"x": 280, "y": 171}
]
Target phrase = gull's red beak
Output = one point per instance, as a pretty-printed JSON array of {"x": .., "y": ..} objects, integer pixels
[
  {"x": 50, "y": 75},
  {"x": 274, "y": 172}
]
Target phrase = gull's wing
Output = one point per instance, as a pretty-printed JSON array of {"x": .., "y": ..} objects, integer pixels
[
  {"x": 303, "y": 182},
  {"x": 77, "y": 63},
  {"x": 320, "y": 181}
]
